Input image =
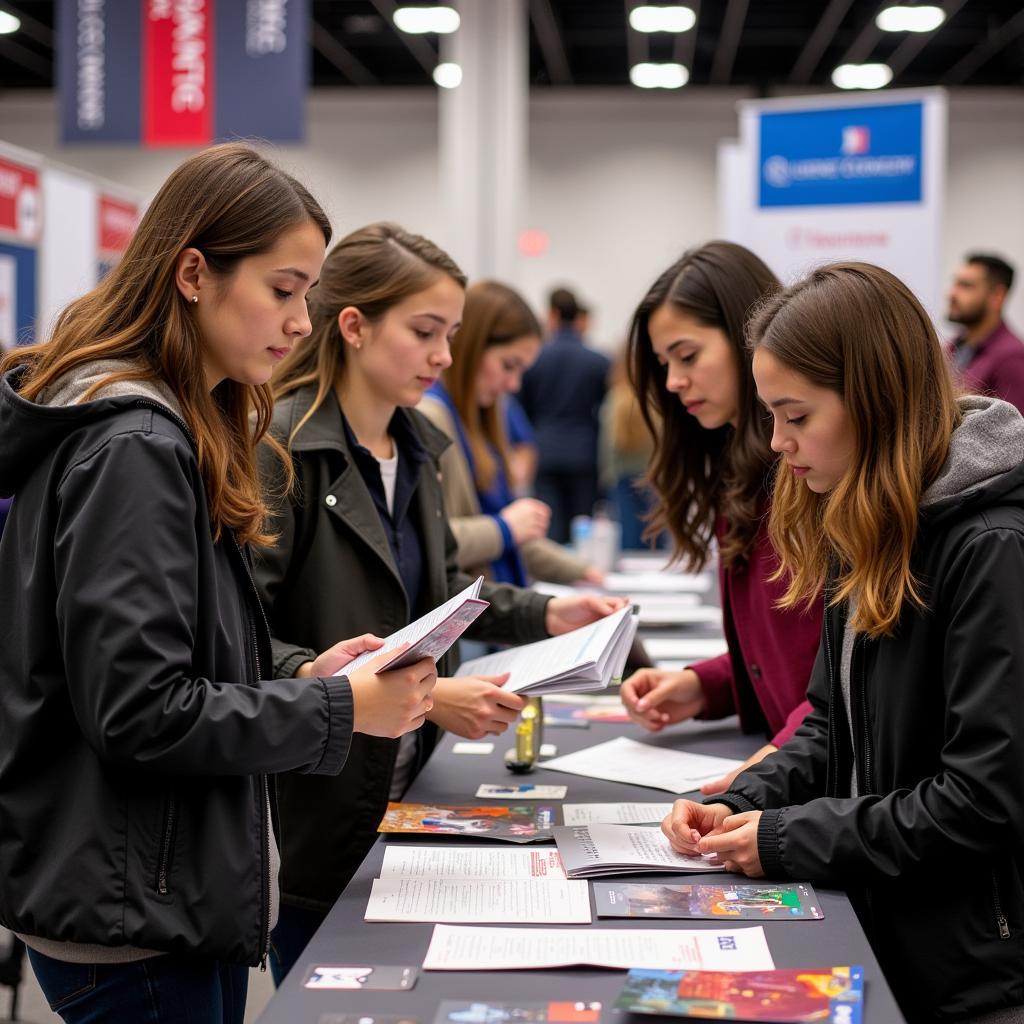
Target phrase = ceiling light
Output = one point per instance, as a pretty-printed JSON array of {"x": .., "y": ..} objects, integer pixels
[
  {"x": 8, "y": 23},
  {"x": 448, "y": 75},
  {"x": 662, "y": 19},
  {"x": 861, "y": 76},
  {"x": 910, "y": 19},
  {"x": 659, "y": 76},
  {"x": 420, "y": 20}
]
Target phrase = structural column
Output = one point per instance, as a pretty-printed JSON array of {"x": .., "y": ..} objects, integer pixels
[{"x": 483, "y": 132}]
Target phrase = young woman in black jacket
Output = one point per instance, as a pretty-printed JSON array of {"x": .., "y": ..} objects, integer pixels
[
  {"x": 905, "y": 505},
  {"x": 139, "y": 719},
  {"x": 365, "y": 543}
]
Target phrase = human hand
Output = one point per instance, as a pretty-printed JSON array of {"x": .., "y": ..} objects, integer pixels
[
  {"x": 527, "y": 519},
  {"x": 594, "y": 576},
  {"x": 688, "y": 822},
  {"x": 656, "y": 698},
  {"x": 735, "y": 843},
  {"x": 564, "y": 614},
  {"x": 722, "y": 784},
  {"x": 394, "y": 702},
  {"x": 339, "y": 655},
  {"x": 475, "y": 707}
]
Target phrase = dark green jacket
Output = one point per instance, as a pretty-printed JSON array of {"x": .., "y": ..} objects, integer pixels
[{"x": 331, "y": 576}]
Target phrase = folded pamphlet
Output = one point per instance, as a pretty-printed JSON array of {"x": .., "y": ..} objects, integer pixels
[
  {"x": 588, "y": 658},
  {"x": 590, "y": 851},
  {"x": 430, "y": 636}
]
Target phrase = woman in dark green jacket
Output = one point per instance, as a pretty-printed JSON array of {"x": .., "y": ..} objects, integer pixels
[{"x": 364, "y": 539}]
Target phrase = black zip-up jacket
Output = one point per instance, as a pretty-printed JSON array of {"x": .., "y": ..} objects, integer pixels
[
  {"x": 932, "y": 850},
  {"x": 332, "y": 573},
  {"x": 135, "y": 733}
]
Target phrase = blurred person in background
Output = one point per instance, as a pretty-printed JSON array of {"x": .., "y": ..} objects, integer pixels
[{"x": 562, "y": 394}]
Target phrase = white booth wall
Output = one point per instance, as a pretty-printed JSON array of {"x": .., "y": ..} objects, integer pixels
[{"x": 620, "y": 181}]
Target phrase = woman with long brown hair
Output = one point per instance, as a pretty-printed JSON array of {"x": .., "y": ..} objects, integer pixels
[
  {"x": 904, "y": 506},
  {"x": 497, "y": 534},
  {"x": 139, "y": 715},
  {"x": 711, "y": 475},
  {"x": 365, "y": 545}
]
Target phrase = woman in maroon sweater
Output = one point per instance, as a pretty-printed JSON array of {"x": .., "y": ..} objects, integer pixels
[{"x": 712, "y": 472}]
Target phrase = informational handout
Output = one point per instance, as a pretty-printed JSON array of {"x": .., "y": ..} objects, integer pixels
[
  {"x": 499, "y": 900},
  {"x": 430, "y": 636},
  {"x": 661, "y": 649},
  {"x": 469, "y": 862},
  {"x": 643, "y": 764},
  {"x": 588, "y": 658},
  {"x": 454, "y": 948},
  {"x": 613, "y": 814},
  {"x": 657, "y": 583},
  {"x": 591, "y": 851}
]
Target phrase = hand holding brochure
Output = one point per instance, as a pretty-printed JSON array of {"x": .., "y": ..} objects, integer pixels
[
  {"x": 588, "y": 658},
  {"x": 430, "y": 636},
  {"x": 589, "y": 851}
]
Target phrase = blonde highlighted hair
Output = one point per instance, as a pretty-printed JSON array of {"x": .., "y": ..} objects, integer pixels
[
  {"x": 859, "y": 331},
  {"x": 229, "y": 202}
]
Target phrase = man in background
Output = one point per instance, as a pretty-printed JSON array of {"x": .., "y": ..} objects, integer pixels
[
  {"x": 986, "y": 355},
  {"x": 562, "y": 394}
]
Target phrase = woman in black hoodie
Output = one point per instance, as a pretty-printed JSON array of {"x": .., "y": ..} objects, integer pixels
[{"x": 904, "y": 784}]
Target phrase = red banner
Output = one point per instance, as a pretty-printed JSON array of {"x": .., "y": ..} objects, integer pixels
[
  {"x": 19, "y": 202},
  {"x": 178, "y": 72},
  {"x": 117, "y": 221}
]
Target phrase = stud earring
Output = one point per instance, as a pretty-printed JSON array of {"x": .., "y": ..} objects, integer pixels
[{"x": 194, "y": 299}]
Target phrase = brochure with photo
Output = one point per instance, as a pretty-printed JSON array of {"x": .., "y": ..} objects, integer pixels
[
  {"x": 582, "y": 1011},
  {"x": 741, "y": 901},
  {"x": 515, "y": 823},
  {"x": 832, "y": 994}
]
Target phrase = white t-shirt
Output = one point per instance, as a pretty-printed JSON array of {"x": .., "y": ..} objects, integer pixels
[{"x": 388, "y": 476}]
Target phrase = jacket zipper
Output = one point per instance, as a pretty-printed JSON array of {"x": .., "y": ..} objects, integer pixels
[
  {"x": 832, "y": 724},
  {"x": 1004, "y": 926},
  {"x": 867, "y": 774},
  {"x": 163, "y": 865}
]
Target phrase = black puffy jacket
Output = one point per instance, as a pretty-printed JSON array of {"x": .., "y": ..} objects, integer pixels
[
  {"x": 932, "y": 850},
  {"x": 135, "y": 733}
]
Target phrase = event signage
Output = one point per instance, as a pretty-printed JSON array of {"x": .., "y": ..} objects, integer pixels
[
  {"x": 844, "y": 155},
  {"x": 182, "y": 72},
  {"x": 20, "y": 219}
]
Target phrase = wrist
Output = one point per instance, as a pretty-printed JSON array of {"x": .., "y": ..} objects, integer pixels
[{"x": 304, "y": 671}]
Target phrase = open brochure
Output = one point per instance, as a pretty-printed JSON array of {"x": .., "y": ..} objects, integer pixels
[
  {"x": 590, "y": 851},
  {"x": 432, "y": 635},
  {"x": 588, "y": 658}
]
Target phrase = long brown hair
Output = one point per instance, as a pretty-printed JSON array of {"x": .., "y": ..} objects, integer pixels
[
  {"x": 859, "y": 331},
  {"x": 372, "y": 269},
  {"x": 494, "y": 314},
  {"x": 699, "y": 474},
  {"x": 230, "y": 203}
]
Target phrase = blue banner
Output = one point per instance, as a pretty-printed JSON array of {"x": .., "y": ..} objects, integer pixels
[
  {"x": 262, "y": 69},
  {"x": 17, "y": 288},
  {"x": 841, "y": 156},
  {"x": 99, "y": 61}
]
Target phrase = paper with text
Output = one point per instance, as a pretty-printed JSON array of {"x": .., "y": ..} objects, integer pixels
[
  {"x": 592, "y": 851},
  {"x": 613, "y": 814},
  {"x": 401, "y": 861},
  {"x": 454, "y": 948}
]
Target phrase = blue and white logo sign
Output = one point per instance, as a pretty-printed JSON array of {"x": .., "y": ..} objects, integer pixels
[{"x": 841, "y": 156}]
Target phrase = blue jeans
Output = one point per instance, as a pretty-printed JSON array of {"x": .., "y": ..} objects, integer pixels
[
  {"x": 295, "y": 927},
  {"x": 161, "y": 990}
]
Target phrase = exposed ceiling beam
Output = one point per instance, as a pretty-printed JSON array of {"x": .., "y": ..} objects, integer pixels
[
  {"x": 915, "y": 42},
  {"x": 817, "y": 43},
  {"x": 684, "y": 51},
  {"x": 728, "y": 41},
  {"x": 416, "y": 45},
  {"x": 634, "y": 44},
  {"x": 18, "y": 54},
  {"x": 971, "y": 61},
  {"x": 550, "y": 39},
  {"x": 341, "y": 57},
  {"x": 867, "y": 39}
]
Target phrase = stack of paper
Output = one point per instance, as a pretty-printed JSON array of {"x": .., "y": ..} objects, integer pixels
[
  {"x": 588, "y": 658},
  {"x": 614, "y": 814},
  {"x": 661, "y": 650},
  {"x": 590, "y": 851},
  {"x": 430, "y": 636},
  {"x": 494, "y": 949},
  {"x": 657, "y": 583},
  {"x": 643, "y": 764}
]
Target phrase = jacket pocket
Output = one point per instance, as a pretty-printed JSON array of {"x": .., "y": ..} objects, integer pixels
[
  {"x": 62, "y": 982},
  {"x": 167, "y": 836}
]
